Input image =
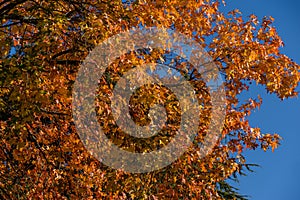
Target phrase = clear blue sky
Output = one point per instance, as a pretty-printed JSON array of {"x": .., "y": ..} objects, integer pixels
[{"x": 279, "y": 175}]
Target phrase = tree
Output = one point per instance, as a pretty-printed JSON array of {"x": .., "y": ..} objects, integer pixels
[{"x": 43, "y": 44}]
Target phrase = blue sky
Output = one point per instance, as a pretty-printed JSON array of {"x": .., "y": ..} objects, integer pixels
[{"x": 279, "y": 174}]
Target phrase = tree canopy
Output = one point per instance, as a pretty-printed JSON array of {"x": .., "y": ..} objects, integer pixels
[{"x": 43, "y": 44}]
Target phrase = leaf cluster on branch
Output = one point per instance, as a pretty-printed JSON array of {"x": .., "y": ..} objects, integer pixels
[{"x": 42, "y": 46}]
